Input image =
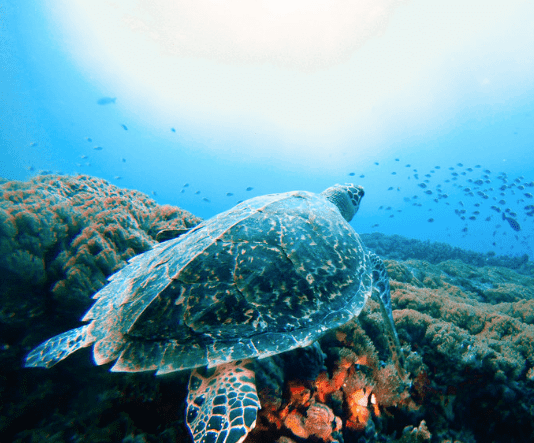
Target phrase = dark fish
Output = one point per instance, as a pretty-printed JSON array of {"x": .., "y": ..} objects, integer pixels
[
  {"x": 430, "y": 220},
  {"x": 198, "y": 192},
  {"x": 408, "y": 165},
  {"x": 98, "y": 148},
  {"x": 206, "y": 199},
  {"x": 397, "y": 160},
  {"x": 362, "y": 176},
  {"x": 528, "y": 195},
  {"x": 185, "y": 185},
  {"x": 173, "y": 130},
  {"x": 376, "y": 163},
  {"x": 124, "y": 160},
  {"x": 106, "y": 100},
  {"x": 124, "y": 127},
  {"x": 512, "y": 222},
  {"x": 229, "y": 194},
  {"x": 352, "y": 174},
  {"x": 250, "y": 188},
  {"x": 459, "y": 164},
  {"x": 451, "y": 169},
  {"x": 390, "y": 188},
  {"x": 437, "y": 167},
  {"x": 89, "y": 139},
  {"x": 154, "y": 193},
  {"x": 422, "y": 185},
  {"x": 393, "y": 173},
  {"x": 428, "y": 191}
]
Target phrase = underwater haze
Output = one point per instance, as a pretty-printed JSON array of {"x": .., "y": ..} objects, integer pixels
[{"x": 429, "y": 105}]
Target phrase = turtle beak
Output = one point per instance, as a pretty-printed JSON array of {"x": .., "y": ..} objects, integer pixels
[{"x": 356, "y": 193}]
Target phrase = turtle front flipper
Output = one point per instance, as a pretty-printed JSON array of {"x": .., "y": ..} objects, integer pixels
[
  {"x": 57, "y": 348},
  {"x": 381, "y": 283},
  {"x": 222, "y": 408}
]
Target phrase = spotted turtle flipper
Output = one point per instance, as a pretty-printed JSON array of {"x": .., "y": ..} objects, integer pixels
[
  {"x": 381, "y": 284},
  {"x": 57, "y": 348},
  {"x": 222, "y": 408}
]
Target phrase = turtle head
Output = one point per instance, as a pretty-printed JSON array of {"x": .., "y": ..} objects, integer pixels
[{"x": 346, "y": 197}]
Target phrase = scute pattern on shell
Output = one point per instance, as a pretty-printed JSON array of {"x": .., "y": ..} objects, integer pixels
[{"x": 270, "y": 275}]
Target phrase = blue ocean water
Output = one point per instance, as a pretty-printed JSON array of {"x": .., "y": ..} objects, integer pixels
[{"x": 433, "y": 114}]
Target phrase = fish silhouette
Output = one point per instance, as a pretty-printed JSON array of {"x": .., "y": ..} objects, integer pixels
[
  {"x": 512, "y": 222},
  {"x": 106, "y": 100}
]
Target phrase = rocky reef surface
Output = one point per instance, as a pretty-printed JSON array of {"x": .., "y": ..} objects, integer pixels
[{"x": 465, "y": 321}]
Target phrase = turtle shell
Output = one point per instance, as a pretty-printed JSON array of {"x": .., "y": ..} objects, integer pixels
[{"x": 269, "y": 275}]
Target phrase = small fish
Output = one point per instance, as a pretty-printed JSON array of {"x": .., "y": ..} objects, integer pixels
[
  {"x": 229, "y": 194},
  {"x": 422, "y": 185},
  {"x": 173, "y": 130},
  {"x": 437, "y": 167},
  {"x": 352, "y": 174},
  {"x": 206, "y": 200},
  {"x": 512, "y": 222},
  {"x": 430, "y": 220},
  {"x": 390, "y": 188},
  {"x": 154, "y": 193},
  {"x": 32, "y": 144},
  {"x": 397, "y": 160},
  {"x": 83, "y": 156},
  {"x": 124, "y": 160},
  {"x": 393, "y": 173},
  {"x": 117, "y": 177},
  {"x": 98, "y": 148},
  {"x": 89, "y": 139},
  {"x": 185, "y": 185},
  {"x": 250, "y": 188},
  {"x": 124, "y": 127},
  {"x": 198, "y": 192},
  {"x": 362, "y": 176},
  {"x": 106, "y": 100},
  {"x": 459, "y": 164},
  {"x": 429, "y": 192},
  {"x": 376, "y": 163},
  {"x": 528, "y": 195}
]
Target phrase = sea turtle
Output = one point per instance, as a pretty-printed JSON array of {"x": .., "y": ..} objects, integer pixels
[{"x": 269, "y": 275}]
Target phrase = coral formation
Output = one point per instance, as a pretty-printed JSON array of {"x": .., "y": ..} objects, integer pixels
[
  {"x": 397, "y": 247},
  {"x": 465, "y": 324}
]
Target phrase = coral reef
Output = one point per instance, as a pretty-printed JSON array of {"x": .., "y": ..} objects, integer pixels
[
  {"x": 397, "y": 247},
  {"x": 465, "y": 321},
  {"x": 60, "y": 238}
]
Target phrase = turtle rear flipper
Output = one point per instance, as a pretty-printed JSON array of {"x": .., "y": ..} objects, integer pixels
[
  {"x": 222, "y": 408},
  {"x": 59, "y": 347}
]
